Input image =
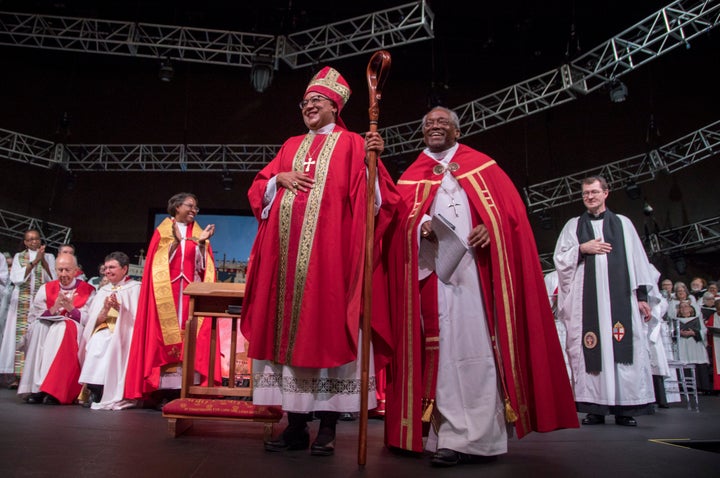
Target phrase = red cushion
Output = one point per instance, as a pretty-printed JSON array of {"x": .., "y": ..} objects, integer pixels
[{"x": 204, "y": 407}]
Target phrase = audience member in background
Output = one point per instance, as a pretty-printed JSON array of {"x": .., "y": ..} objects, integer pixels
[
  {"x": 59, "y": 309},
  {"x": 707, "y": 307},
  {"x": 105, "y": 347},
  {"x": 698, "y": 286},
  {"x": 692, "y": 343},
  {"x": 681, "y": 293},
  {"x": 179, "y": 253},
  {"x": 30, "y": 269},
  {"x": 666, "y": 289},
  {"x": 95, "y": 281}
]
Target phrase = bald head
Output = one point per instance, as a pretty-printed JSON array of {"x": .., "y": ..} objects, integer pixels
[{"x": 66, "y": 267}]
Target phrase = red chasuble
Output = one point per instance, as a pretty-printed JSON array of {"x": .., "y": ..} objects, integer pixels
[
  {"x": 303, "y": 299},
  {"x": 61, "y": 380},
  {"x": 534, "y": 381},
  {"x": 157, "y": 336}
]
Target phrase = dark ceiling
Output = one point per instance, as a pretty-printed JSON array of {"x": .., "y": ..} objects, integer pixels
[{"x": 479, "y": 48}]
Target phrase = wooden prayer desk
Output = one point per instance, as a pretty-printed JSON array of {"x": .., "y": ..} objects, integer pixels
[{"x": 211, "y": 301}]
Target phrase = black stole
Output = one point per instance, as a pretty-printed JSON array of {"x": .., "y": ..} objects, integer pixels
[{"x": 620, "y": 293}]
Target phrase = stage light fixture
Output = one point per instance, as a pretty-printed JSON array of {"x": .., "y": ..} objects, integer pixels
[
  {"x": 648, "y": 209},
  {"x": 261, "y": 73},
  {"x": 227, "y": 182},
  {"x": 618, "y": 91},
  {"x": 633, "y": 190},
  {"x": 167, "y": 71}
]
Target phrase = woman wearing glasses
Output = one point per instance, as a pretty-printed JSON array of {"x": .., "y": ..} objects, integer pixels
[
  {"x": 303, "y": 298},
  {"x": 179, "y": 253}
]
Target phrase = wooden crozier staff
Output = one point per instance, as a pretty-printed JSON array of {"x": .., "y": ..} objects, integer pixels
[{"x": 377, "y": 71}]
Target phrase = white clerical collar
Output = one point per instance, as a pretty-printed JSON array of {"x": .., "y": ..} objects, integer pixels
[
  {"x": 72, "y": 285},
  {"x": 120, "y": 282},
  {"x": 443, "y": 156},
  {"x": 327, "y": 129}
]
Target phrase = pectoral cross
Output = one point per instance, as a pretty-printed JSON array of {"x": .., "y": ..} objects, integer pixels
[
  {"x": 454, "y": 205},
  {"x": 308, "y": 162}
]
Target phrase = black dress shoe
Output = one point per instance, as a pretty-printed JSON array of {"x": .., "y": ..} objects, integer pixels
[
  {"x": 625, "y": 421},
  {"x": 593, "y": 419},
  {"x": 35, "y": 398},
  {"x": 50, "y": 400},
  {"x": 327, "y": 449},
  {"x": 289, "y": 440},
  {"x": 446, "y": 457}
]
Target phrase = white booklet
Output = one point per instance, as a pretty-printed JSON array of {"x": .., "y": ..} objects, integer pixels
[{"x": 450, "y": 247}]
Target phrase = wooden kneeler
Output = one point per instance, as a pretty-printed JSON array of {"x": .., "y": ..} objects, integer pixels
[{"x": 212, "y": 301}]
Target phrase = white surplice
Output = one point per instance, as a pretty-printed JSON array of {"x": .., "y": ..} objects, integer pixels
[
  {"x": 689, "y": 349},
  {"x": 617, "y": 384},
  {"x": 469, "y": 408},
  {"x": 43, "y": 340},
  {"x": 104, "y": 354}
]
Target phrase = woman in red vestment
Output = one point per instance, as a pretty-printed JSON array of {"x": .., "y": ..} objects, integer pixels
[{"x": 179, "y": 253}]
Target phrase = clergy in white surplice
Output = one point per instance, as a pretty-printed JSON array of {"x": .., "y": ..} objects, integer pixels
[
  {"x": 105, "y": 345},
  {"x": 30, "y": 269},
  {"x": 606, "y": 290},
  {"x": 51, "y": 343}
]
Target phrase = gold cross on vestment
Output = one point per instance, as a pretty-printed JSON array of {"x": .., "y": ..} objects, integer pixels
[{"x": 308, "y": 162}]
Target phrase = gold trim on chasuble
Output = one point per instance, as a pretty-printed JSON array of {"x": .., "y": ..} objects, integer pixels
[
  {"x": 479, "y": 185},
  {"x": 307, "y": 237},
  {"x": 422, "y": 192},
  {"x": 162, "y": 286}
]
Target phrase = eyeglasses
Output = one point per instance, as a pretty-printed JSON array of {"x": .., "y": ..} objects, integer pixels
[
  {"x": 594, "y": 192},
  {"x": 31, "y": 239},
  {"x": 191, "y": 206},
  {"x": 441, "y": 122},
  {"x": 312, "y": 101}
]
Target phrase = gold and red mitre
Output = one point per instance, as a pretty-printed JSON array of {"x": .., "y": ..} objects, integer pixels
[{"x": 330, "y": 83}]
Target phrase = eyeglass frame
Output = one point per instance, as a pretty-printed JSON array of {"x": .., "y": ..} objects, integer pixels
[
  {"x": 193, "y": 207},
  {"x": 314, "y": 100},
  {"x": 442, "y": 122},
  {"x": 594, "y": 192}
]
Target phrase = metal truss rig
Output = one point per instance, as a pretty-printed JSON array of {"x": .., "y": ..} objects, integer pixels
[
  {"x": 672, "y": 26},
  {"x": 136, "y": 157},
  {"x": 14, "y": 225},
  {"x": 681, "y": 153},
  {"x": 395, "y": 26},
  {"x": 701, "y": 234}
]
